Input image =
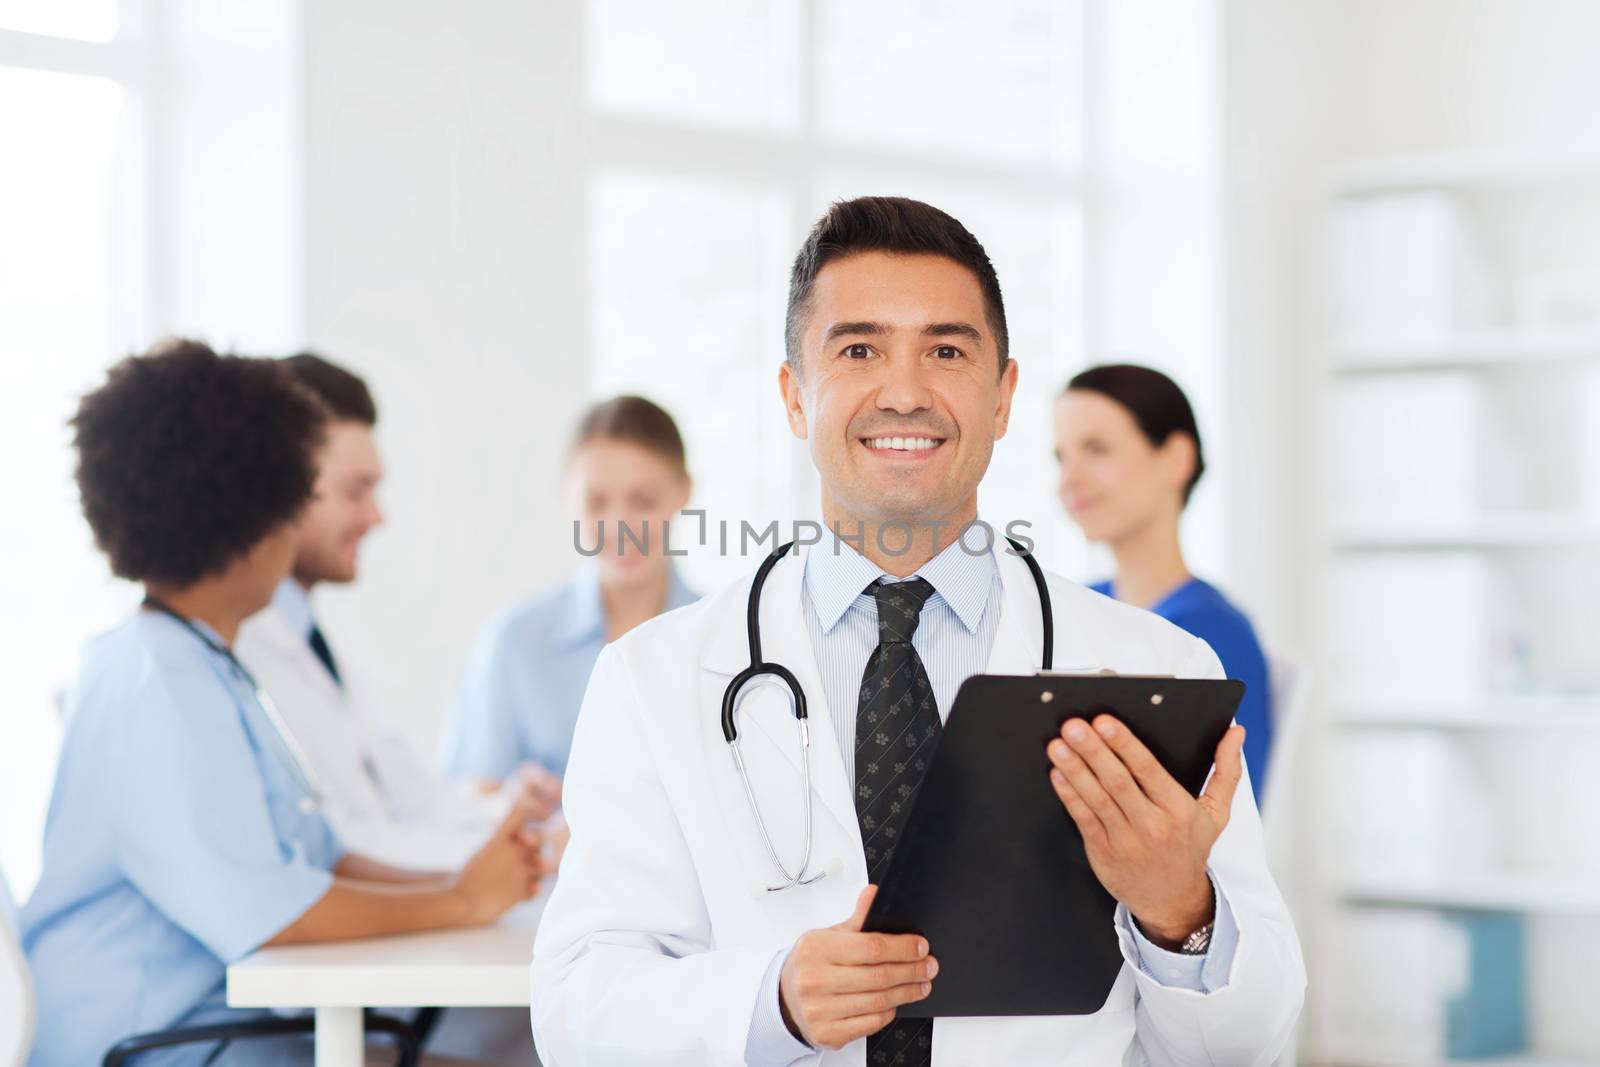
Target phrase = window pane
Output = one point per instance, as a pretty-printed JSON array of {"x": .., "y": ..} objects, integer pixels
[
  {"x": 56, "y": 194},
  {"x": 994, "y": 82},
  {"x": 1036, "y": 246},
  {"x": 83, "y": 20},
  {"x": 687, "y": 291},
  {"x": 709, "y": 62}
]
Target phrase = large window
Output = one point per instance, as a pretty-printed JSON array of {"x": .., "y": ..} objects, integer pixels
[
  {"x": 64, "y": 116},
  {"x": 708, "y": 170},
  {"x": 148, "y": 187}
]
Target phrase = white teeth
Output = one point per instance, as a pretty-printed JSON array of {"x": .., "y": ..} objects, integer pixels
[{"x": 901, "y": 444}]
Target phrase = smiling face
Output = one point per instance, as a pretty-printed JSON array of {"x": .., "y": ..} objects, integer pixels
[
  {"x": 344, "y": 507},
  {"x": 1114, "y": 482},
  {"x": 899, "y": 389}
]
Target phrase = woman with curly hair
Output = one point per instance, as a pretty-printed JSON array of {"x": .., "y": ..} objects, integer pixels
[{"x": 182, "y": 833}]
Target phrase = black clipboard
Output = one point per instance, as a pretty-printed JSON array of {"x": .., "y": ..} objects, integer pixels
[{"x": 991, "y": 868}]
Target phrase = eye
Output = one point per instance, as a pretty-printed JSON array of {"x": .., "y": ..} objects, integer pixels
[
  {"x": 948, "y": 352},
  {"x": 857, "y": 351}
]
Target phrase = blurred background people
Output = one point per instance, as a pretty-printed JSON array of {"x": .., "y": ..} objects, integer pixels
[
  {"x": 381, "y": 799},
  {"x": 183, "y": 833},
  {"x": 626, "y": 477},
  {"x": 1130, "y": 457}
]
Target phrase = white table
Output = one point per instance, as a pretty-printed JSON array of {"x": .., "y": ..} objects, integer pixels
[{"x": 485, "y": 966}]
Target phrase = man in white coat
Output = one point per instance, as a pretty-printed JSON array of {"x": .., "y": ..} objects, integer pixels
[
  {"x": 662, "y": 944},
  {"x": 381, "y": 800}
]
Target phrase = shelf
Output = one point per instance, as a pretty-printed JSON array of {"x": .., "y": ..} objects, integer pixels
[
  {"x": 1566, "y": 896},
  {"x": 1509, "y": 530},
  {"x": 1510, "y": 711},
  {"x": 1471, "y": 351},
  {"x": 1460, "y": 170}
]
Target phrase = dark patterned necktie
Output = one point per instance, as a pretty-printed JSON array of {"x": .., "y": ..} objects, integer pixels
[
  {"x": 897, "y": 728},
  {"x": 319, "y": 645}
]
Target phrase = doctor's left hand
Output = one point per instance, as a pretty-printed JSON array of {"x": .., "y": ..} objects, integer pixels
[{"x": 1147, "y": 839}]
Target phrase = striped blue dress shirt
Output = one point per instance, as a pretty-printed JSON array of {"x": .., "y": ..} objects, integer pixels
[{"x": 953, "y": 638}]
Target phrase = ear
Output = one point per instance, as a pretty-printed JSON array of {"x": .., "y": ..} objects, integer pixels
[
  {"x": 1177, "y": 457},
  {"x": 1002, "y": 409},
  {"x": 793, "y": 398},
  {"x": 687, "y": 493}
]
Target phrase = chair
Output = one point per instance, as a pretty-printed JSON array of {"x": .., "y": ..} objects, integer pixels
[
  {"x": 1289, "y": 681},
  {"x": 272, "y": 1026},
  {"x": 16, "y": 987}
]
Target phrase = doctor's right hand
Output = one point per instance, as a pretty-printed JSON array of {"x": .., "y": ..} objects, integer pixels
[
  {"x": 504, "y": 872},
  {"x": 840, "y": 984}
]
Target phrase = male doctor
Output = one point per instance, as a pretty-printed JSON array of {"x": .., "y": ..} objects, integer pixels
[
  {"x": 382, "y": 800},
  {"x": 661, "y": 945}
]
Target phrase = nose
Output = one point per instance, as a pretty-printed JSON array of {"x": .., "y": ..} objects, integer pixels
[{"x": 903, "y": 389}]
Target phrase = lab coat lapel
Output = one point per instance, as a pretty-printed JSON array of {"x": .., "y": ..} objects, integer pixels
[
  {"x": 785, "y": 640},
  {"x": 1019, "y": 638},
  {"x": 276, "y": 631}
]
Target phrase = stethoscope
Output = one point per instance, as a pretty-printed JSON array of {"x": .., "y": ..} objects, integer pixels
[
  {"x": 797, "y": 702},
  {"x": 312, "y": 795}
]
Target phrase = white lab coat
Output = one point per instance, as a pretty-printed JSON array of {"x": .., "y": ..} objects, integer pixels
[
  {"x": 657, "y": 937},
  {"x": 382, "y": 801}
]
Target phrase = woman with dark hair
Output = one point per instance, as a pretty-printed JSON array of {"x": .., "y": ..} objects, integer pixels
[
  {"x": 183, "y": 831},
  {"x": 526, "y": 675},
  {"x": 1130, "y": 456}
]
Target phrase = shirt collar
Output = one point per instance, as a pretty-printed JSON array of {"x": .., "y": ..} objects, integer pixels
[
  {"x": 292, "y": 602},
  {"x": 836, "y": 574}
]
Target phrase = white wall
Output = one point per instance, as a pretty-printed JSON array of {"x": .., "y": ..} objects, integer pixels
[{"x": 443, "y": 251}]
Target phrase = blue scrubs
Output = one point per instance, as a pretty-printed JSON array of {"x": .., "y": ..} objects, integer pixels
[
  {"x": 525, "y": 679},
  {"x": 1202, "y": 610},
  {"x": 174, "y": 845}
]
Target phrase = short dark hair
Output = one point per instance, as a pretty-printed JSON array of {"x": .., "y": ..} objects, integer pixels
[
  {"x": 188, "y": 459},
  {"x": 898, "y": 225},
  {"x": 635, "y": 420},
  {"x": 1155, "y": 401},
  {"x": 345, "y": 394}
]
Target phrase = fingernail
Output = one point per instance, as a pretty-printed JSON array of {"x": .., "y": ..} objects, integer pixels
[
  {"x": 1075, "y": 731},
  {"x": 1057, "y": 777},
  {"x": 1106, "y": 729},
  {"x": 927, "y": 987},
  {"x": 1058, "y": 749},
  {"x": 922, "y": 948},
  {"x": 933, "y": 967}
]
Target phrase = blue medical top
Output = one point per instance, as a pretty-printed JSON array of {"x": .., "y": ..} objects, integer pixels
[
  {"x": 1201, "y": 609},
  {"x": 525, "y": 679},
  {"x": 174, "y": 844}
]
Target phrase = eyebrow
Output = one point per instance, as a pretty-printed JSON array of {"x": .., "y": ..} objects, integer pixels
[
  {"x": 880, "y": 329},
  {"x": 953, "y": 329},
  {"x": 856, "y": 329}
]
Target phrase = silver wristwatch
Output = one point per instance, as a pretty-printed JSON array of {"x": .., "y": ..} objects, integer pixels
[{"x": 1197, "y": 943}]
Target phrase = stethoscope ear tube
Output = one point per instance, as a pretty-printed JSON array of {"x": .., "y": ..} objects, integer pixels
[
  {"x": 1046, "y": 617},
  {"x": 730, "y": 696}
]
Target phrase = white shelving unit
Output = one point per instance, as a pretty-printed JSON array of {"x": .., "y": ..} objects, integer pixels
[
  {"x": 1482, "y": 349},
  {"x": 1458, "y": 290}
]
